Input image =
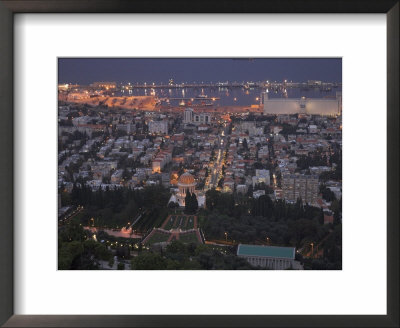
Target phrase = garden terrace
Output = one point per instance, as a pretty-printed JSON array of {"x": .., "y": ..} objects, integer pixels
[{"x": 157, "y": 236}]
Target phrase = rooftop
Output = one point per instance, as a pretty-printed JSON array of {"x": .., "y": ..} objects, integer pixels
[
  {"x": 186, "y": 179},
  {"x": 266, "y": 251}
]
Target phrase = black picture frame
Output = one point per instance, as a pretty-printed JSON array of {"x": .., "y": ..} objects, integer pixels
[{"x": 10, "y": 7}]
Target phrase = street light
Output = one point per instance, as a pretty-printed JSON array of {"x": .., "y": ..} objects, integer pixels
[
  {"x": 312, "y": 250},
  {"x": 226, "y": 237},
  {"x": 268, "y": 239}
]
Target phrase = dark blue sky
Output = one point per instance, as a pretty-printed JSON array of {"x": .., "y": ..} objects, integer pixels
[{"x": 88, "y": 70}]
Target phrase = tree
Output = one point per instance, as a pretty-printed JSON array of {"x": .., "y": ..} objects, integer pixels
[
  {"x": 211, "y": 198},
  {"x": 191, "y": 204},
  {"x": 212, "y": 155},
  {"x": 250, "y": 191},
  {"x": 263, "y": 206},
  {"x": 176, "y": 247},
  {"x": 258, "y": 165},
  {"x": 173, "y": 205},
  {"x": 126, "y": 174},
  {"x": 149, "y": 261},
  {"x": 195, "y": 203},
  {"x": 327, "y": 194},
  {"x": 244, "y": 144},
  {"x": 188, "y": 202},
  {"x": 67, "y": 252}
]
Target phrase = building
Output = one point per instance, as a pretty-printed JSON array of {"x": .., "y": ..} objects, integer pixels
[
  {"x": 303, "y": 105},
  {"x": 190, "y": 117},
  {"x": 165, "y": 180},
  {"x": 162, "y": 159},
  {"x": 269, "y": 257},
  {"x": 186, "y": 184},
  {"x": 158, "y": 127},
  {"x": 328, "y": 218},
  {"x": 116, "y": 177},
  {"x": 250, "y": 128},
  {"x": 263, "y": 153},
  {"x": 202, "y": 127},
  {"x": 262, "y": 176},
  {"x": 258, "y": 193},
  {"x": 128, "y": 128},
  {"x": 241, "y": 188},
  {"x": 302, "y": 186},
  {"x": 178, "y": 139},
  {"x": 312, "y": 128},
  {"x": 228, "y": 185}
]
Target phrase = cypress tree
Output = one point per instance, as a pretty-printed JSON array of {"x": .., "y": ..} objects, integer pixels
[
  {"x": 194, "y": 203},
  {"x": 188, "y": 202}
]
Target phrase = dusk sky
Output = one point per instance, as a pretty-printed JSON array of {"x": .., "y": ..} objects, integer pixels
[{"x": 88, "y": 70}]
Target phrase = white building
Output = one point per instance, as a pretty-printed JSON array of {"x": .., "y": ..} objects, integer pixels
[
  {"x": 81, "y": 120},
  {"x": 263, "y": 153},
  {"x": 312, "y": 128},
  {"x": 251, "y": 128},
  {"x": 128, "y": 128},
  {"x": 190, "y": 117},
  {"x": 262, "y": 176},
  {"x": 162, "y": 159},
  {"x": 258, "y": 193},
  {"x": 158, "y": 127},
  {"x": 186, "y": 184},
  {"x": 310, "y": 106},
  {"x": 241, "y": 188}
]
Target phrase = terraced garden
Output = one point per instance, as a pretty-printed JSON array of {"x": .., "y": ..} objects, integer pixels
[
  {"x": 169, "y": 222},
  {"x": 190, "y": 237},
  {"x": 183, "y": 222},
  {"x": 189, "y": 223},
  {"x": 157, "y": 237},
  {"x": 175, "y": 222}
]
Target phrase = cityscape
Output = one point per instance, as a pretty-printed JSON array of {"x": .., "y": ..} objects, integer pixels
[{"x": 199, "y": 164}]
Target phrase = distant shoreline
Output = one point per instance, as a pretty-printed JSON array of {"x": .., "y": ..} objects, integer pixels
[{"x": 147, "y": 104}]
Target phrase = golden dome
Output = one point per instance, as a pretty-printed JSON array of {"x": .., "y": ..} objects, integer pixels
[{"x": 186, "y": 179}]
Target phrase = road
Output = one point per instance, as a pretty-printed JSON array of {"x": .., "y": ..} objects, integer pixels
[
  {"x": 216, "y": 166},
  {"x": 71, "y": 215}
]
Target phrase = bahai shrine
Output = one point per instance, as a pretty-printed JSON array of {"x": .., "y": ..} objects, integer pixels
[{"x": 186, "y": 183}]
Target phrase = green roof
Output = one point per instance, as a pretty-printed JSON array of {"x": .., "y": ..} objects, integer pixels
[{"x": 266, "y": 251}]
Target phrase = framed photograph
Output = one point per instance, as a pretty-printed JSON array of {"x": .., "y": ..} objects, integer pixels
[{"x": 206, "y": 165}]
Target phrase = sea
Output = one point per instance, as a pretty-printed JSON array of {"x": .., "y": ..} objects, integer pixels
[{"x": 222, "y": 96}]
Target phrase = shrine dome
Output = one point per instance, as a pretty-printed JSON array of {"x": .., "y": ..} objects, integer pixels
[{"x": 186, "y": 179}]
